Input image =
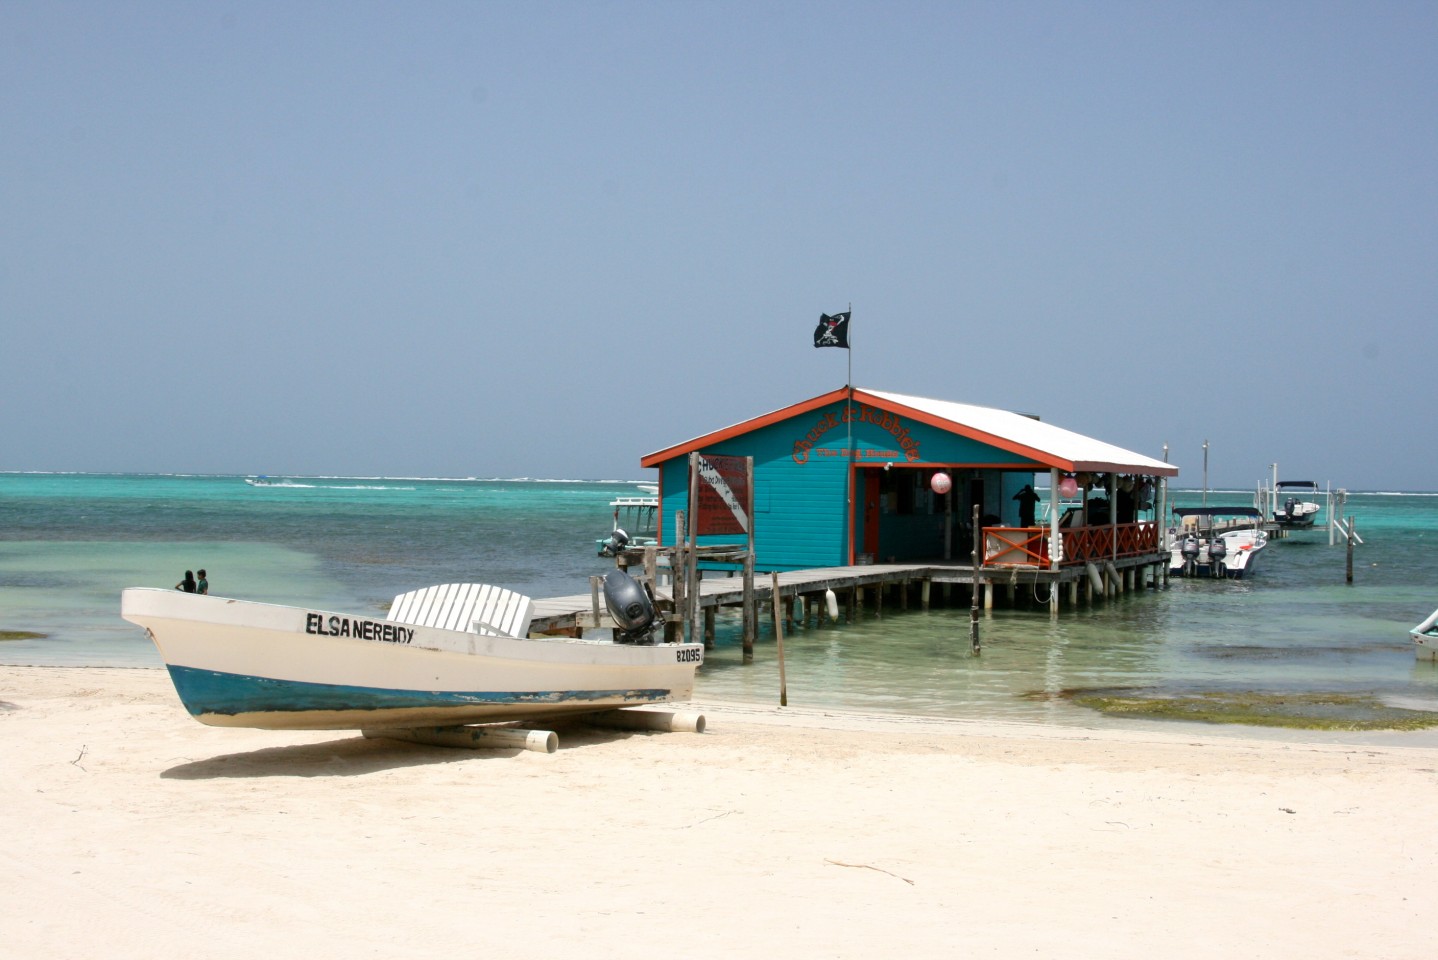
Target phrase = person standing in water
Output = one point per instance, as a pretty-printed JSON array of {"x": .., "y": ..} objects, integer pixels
[
  {"x": 188, "y": 584},
  {"x": 204, "y": 585}
]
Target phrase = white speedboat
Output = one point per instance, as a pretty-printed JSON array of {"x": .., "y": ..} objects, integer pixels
[
  {"x": 447, "y": 655},
  {"x": 636, "y": 524},
  {"x": 1296, "y": 510},
  {"x": 1425, "y": 638},
  {"x": 1225, "y": 546}
]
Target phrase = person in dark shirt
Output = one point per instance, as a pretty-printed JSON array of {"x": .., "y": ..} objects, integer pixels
[
  {"x": 1027, "y": 499},
  {"x": 188, "y": 584}
]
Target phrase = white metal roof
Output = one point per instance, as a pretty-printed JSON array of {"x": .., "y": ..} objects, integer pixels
[
  {"x": 1052, "y": 443},
  {"x": 1042, "y": 442}
]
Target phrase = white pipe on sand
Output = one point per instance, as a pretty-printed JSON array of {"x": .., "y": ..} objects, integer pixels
[
  {"x": 647, "y": 720},
  {"x": 473, "y": 738}
]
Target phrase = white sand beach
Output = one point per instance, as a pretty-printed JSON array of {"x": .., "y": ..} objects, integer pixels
[{"x": 133, "y": 831}]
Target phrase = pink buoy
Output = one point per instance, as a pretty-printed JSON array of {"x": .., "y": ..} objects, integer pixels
[
  {"x": 1068, "y": 488},
  {"x": 941, "y": 483}
]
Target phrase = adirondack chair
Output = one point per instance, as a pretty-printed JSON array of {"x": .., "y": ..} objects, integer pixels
[{"x": 473, "y": 607}]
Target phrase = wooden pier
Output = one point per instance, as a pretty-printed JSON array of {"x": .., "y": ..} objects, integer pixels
[{"x": 873, "y": 586}]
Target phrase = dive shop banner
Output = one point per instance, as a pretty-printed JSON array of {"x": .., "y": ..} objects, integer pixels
[{"x": 721, "y": 503}]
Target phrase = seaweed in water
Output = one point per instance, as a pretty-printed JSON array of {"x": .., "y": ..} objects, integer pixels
[{"x": 1305, "y": 711}]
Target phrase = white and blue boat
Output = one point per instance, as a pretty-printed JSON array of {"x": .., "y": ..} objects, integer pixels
[
  {"x": 447, "y": 655},
  {"x": 1216, "y": 542}
]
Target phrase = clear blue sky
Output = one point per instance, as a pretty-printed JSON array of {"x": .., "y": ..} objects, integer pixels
[{"x": 544, "y": 239}]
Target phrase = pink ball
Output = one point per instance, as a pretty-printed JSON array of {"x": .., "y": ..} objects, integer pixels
[
  {"x": 941, "y": 483},
  {"x": 1068, "y": 487}
]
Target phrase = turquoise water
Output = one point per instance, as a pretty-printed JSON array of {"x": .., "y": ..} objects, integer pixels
[{"x": 70, "y": 543}]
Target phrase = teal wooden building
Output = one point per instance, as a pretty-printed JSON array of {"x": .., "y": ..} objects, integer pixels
[{"x": 848, "y": 477}]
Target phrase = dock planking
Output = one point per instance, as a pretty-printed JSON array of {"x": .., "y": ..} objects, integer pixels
[{"x": 556, "y": 614}]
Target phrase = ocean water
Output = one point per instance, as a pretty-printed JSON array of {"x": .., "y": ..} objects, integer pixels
[{"x": 69, "y": 543}]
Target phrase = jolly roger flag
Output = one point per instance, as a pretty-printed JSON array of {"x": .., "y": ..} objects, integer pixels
[{"x": 832, "y": 331}]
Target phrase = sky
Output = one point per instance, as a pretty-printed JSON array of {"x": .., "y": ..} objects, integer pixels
[{"x": 545, "y": 239}]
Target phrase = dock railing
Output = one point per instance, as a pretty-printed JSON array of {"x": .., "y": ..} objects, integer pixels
[{"x": 1029, "y": 546}]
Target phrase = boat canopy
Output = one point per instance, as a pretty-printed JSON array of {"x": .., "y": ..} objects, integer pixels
[
  {"x": 1306, "y": 484},
  {"x": 1217, "y": 512}
]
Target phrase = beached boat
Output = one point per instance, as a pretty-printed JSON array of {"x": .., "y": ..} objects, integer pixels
[
  {"x": 1297, "y": 511},
  {"x": 1225, "y": 546},
  {"x": 1425, "y": 638},
  {"x": 446, "y": 655}
]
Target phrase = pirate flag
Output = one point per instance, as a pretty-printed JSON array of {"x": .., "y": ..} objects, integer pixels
[{"x": 832, "y": 331}]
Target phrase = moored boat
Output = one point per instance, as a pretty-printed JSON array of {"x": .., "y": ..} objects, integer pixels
[
  {"x": 636, "y": 522},
  {"x": 1226, "y": 546},
  {"x": 1297, "y": 509},
  {"x": 446, "y": 655},
  {"x": 1425, "y": 638}
]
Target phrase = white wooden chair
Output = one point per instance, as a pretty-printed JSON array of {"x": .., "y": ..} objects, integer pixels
[{"x": 473, "y": 607}]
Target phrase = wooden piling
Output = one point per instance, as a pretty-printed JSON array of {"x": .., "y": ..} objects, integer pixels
[
  {"x": 779, "y": 643},
  {"x": 974, "y": 605},
  {"x": 1350, "y": 549}
]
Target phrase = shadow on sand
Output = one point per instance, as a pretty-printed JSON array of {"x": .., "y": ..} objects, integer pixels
[{"x": 356, "y": 756}]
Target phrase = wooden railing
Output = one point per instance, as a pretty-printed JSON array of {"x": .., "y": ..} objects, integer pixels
[{"x": 1029, "y": 546}]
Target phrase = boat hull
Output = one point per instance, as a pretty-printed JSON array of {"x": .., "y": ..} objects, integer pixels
[
  {"x": 1425, "y": 638},
  {"x": 237, "y": 663},
  {"x": 1242, "y": 551},
  {"x": 1425, "y": 646}
]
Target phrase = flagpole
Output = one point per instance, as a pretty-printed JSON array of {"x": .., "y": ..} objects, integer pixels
[{"x": 849, "y": 422}]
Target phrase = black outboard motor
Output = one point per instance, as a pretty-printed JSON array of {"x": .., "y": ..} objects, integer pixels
[
  {"x": 1290, "y": 508},
  {"x": 616, "y": 542},
  {"x": 632, "y": 608},
  {"x": 1217, "y": 550}
]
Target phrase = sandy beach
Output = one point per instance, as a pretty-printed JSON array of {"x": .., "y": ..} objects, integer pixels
[{"x": 133, "y": 831}]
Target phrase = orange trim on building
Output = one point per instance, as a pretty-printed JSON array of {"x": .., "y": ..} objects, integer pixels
[
  {"x": 949, "y": 426},
  {"x": 1040, "y": 459},
  {"x": 748, "y": 426}
]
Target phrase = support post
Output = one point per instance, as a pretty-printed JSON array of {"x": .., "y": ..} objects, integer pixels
[
  {"x": 751, "y": 612},
  {"x": 1350, "y": 549},
  {"x": 779, "y": 641},
  {"x": 594, "y": 598},
  {"x": 974, "y": 605}
]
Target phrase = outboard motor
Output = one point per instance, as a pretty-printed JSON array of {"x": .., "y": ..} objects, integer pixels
[
  {"x": 1189, "y": 551},
  {"x": 616, "y": 542},
  {"x": 1217, "y": 550},
  {"x": 1290, "y": 507},
  {"x": 632, "y": 608}
]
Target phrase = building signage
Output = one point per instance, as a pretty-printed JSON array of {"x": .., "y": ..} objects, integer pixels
[
  {"x": 723, "y": 497},
  {"x": 858, "y": 413}
]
